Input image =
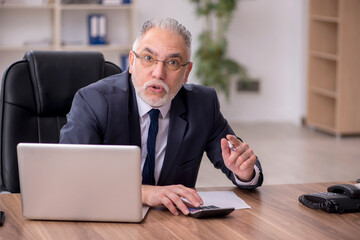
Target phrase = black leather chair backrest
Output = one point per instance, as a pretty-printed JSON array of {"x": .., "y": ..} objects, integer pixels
[{"x": 36, "y": 95}]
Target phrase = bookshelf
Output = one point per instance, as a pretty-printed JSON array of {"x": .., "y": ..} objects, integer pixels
[
  {"x": 333, "y": 95},
  {"x": 58, "y": 26}
]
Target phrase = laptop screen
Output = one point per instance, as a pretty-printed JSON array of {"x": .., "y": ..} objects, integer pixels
[{"x": 80, "y": 182}]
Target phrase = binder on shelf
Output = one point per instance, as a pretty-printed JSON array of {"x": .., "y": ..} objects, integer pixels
[
  {"x": 24, "y": 2},
  {"x": 111, "y": 2},
  {"x": 97, "y": 29},
  {"x": 102, "y": 29},
  {"x": 93, "y": 29},
  {"x": 77, "y": 1},
  {"x": 124, "y": 60}
]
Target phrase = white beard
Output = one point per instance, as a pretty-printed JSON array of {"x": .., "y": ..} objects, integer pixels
[{"x": 152, "y": 101}]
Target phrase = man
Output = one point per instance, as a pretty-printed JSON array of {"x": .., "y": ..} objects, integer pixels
[{"x": 116, "y": 110}]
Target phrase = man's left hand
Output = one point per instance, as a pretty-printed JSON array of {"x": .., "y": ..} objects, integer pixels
[{"x": 240, "y": 160}]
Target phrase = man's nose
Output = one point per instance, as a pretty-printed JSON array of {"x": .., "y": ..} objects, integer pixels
[{"x": 159, "y": 70}]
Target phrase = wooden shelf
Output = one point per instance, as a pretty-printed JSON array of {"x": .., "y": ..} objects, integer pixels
[
  {"x": 324, "y": 7},
  {"x": 321, "y": 111},
  {"x": 95, "y": 7},
  {"x": 109, "y": 47},
  {"x": 323, "y": 92},
  {"x": 333, "y": 66},
  {"x": 322, "y": 73},
  {"x": 27, "y": 6},
  {"x": 323, "y": 37},
  {"x": 25, "y": 48},
  {"x": 326, "y": 56},
  {"x": 324, "y": 19},
  {"x": 55, "y": 23}
]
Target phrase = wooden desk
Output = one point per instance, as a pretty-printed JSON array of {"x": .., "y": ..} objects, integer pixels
[{"x": 275, "y": 214}]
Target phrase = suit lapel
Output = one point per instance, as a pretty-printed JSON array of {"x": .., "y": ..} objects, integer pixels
[
  {"x": 177, "y": 128},
  {"x": 134, "y": 124}
]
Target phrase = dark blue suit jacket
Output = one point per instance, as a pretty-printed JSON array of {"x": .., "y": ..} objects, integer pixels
[{"x": 106, "y": 112}]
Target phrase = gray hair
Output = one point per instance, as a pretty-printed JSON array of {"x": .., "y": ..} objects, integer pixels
[{"x": 169, "y": 24}]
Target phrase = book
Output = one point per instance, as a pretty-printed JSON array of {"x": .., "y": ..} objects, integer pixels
[
  {"x": 111, "y": 2},
  {"x": 124, "y": 60},
  {"x": 102, "y": 29},
  {"x": 115, "y": 2},
  {"x": 97, "y": 29}
]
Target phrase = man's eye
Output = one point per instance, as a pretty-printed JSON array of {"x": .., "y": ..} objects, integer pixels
[
  {"x": 148, "y": 58},
  {"x": 173, "y": 62}
]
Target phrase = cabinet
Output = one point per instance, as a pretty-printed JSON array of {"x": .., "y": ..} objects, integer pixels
[
  {"x": 333, "y": 94},
  {"x": 57, "y": 26}
]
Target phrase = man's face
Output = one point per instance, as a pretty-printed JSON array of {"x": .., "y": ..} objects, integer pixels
[{"x": 155, "y": 83}]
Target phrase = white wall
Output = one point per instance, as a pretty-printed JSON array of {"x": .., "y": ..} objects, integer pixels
[{"x": 269, "y": 38}]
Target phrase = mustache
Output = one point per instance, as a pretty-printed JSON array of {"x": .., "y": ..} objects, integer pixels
[{"x": 157, "y": 82}]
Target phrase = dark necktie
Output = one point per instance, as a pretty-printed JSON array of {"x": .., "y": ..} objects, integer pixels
[{"x": 149, "y": 166}]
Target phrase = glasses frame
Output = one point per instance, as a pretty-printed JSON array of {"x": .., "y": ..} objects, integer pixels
[{"x": 166, "y": 65}]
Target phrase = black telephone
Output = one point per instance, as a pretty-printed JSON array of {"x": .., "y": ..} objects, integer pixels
[{"x": 340, "y": 198}]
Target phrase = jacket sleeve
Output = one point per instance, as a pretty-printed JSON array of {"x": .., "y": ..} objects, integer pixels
[
  {"x": 85, "y": 120},
  {"x": 213, "y": 149}
]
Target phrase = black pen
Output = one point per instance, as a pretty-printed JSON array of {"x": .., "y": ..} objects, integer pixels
[{"x": 2, "y": 215}]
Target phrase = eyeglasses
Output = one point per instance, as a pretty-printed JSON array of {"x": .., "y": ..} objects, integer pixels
[{"x": 148, "y": 60}]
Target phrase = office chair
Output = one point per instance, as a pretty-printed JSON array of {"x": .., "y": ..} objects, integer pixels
[{"x": 36, "y": 95}]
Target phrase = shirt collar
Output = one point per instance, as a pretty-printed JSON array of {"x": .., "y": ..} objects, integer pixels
[{"x": 144, "y": 108}]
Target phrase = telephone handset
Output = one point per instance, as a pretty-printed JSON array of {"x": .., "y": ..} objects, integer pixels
[
  {"x": 339, "y": 199},
  {"x": 347, "y": 189}
]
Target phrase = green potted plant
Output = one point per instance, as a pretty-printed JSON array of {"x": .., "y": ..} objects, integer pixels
[{"x": 213, "y": 67}]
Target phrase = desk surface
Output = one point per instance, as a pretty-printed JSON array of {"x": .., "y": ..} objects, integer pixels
[{"x": 275, "y": 214}]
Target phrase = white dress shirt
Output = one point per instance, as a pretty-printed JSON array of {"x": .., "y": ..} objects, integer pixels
[{"x": 161, "y": 138}]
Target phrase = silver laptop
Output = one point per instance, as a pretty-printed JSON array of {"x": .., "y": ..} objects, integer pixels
[{"x": 80, "y": 182}]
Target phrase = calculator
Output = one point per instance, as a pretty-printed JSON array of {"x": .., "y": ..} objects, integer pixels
[{"x": 209, "y": 211}]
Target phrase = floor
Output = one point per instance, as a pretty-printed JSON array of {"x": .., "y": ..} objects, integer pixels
[{"x": 293, "y": 154}]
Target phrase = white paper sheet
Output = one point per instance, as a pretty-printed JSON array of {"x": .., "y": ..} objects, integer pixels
[{"x": 223, "y": 199}]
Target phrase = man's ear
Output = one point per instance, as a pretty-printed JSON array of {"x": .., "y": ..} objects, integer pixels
[
  {"x": 131, "y": 61},
  {"x": 188, "y": 70}
]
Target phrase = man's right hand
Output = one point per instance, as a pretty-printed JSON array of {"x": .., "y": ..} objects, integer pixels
[{"x": 171, "y": 197}]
